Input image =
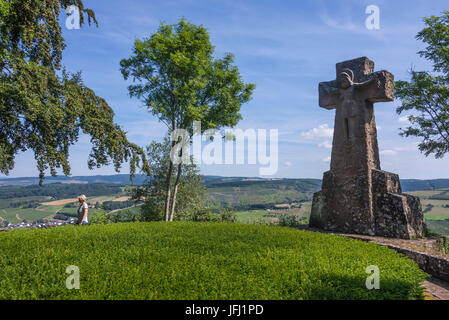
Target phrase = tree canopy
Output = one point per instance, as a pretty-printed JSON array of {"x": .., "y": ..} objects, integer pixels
[
  {"x": 426, "y": 95},
  {"x": 178, "y": 79},
  {"x": 43, "y": 107}
]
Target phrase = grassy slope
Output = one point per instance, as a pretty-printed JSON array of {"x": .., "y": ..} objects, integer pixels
[{"x": 198, "y": 261}]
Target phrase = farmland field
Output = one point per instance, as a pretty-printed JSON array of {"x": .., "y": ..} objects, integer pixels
[
  {"x": 436, "y": 210},
  {"x": 424, "y": 193},
  {"x": 268, "y": 216},
  {"x": 16, "y": 215},
  {"x": 59, "y": 202}
]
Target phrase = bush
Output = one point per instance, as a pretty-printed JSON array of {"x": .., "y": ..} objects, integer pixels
[
  {"x": 184, "y": 260},
  {"x": 125, "y": 216},
  {"x": 289, "y": 221},
  {"x": 99, "y": 217},
  {"x": 443, "y": 244},
  {"x": 152, "y": 210},
  {"x": 227, "y": 215},
  {"x": 201, "y": 214}
]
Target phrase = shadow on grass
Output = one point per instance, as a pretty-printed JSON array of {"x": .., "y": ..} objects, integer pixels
[{"x": 337, "y": 287}]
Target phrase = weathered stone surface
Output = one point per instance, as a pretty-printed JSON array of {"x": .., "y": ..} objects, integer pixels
[{"x": 356, "y": 196}]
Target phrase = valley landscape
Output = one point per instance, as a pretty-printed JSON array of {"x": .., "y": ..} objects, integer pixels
[
  {"x": 254, "y": 200},
  {"x": 152, "y": 150}
]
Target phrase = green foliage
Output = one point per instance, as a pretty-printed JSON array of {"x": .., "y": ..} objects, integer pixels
[
  {"x": 183, "y": 260},
  {"x": 202, "y": 214},
  {"x": 176, "y": 76},
  {"x": 179, "y": 80},
  {"x": 44, "y": 108},
  {"x": 99, "y": 217},
  {"x": 191, "y": 194},
  {"x": 289, "y": 221},
  {"x": 443, "y": 244},
  {"x": 436, "y": 36},
  {"x": 115, "y": 205},
  {"x": 128, "y": 215},
  {"x": 426, "y": 96},
  {"x": 227, "y": 215}
]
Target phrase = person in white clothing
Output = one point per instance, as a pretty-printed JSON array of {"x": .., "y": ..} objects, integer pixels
[{"x": 82, "y": 210}]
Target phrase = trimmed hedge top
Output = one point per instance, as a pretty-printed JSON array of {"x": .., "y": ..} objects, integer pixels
[{"x": 183, "y": 260}]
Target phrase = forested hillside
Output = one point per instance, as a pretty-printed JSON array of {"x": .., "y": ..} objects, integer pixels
[{"x": 59, "y": 190}]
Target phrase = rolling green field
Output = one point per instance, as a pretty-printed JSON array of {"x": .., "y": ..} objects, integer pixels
[
  {"x": 436, "y": 209},
  {"x": 199, "y": 261},
  {"x": 16, "y": 215},
  {"x": 14, "y": 210}
]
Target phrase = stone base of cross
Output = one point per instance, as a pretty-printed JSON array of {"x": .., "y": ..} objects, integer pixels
[{"x": 357, "y": 196}]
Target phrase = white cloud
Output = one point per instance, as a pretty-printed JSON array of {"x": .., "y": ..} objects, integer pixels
[
  {"x": 288, "y": 164},
  {"x": 327, "y": 159},
  {"x": 388, "y": 153},
  {"x": 326, "y": 144},
  {"x": 323, "y": 131},
  {"x": 408, "y": 147},
  {"x": 403, "y": 119}
]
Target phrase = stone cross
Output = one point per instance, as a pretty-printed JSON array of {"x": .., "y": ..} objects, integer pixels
[
  {"x": 357, "y": 196},
  {"x": 353, "y": 93}
]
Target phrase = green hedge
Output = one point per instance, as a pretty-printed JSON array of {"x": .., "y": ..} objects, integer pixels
[{"x": 184, "y": 260}]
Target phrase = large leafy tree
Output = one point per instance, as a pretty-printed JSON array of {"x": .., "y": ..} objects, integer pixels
[
  {"x": 44, "y": 108},
  {"x": 178, "y": 79},
  {"x": 426, "y": 95}
]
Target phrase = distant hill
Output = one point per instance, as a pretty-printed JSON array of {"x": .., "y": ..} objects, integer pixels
[
  {"x": 122, "y": 179},
  {"x": 414, "y": 184},
  {"x": 214, "y": 181}
]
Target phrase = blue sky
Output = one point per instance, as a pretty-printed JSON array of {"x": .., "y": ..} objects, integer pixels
[{"x": 286, "y": 48}]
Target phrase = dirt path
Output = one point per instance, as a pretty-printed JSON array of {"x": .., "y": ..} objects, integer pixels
[
  {"x": 52, "y": 215},
  {"x": 117, "y": 210},
  {"x": 1, "y": 218},
  {"x": 437, "y": 289}
]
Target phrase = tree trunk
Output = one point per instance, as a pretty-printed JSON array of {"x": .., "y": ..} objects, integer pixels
[
  {"x": 175, "y": 191},
  {"x": 168, "y": 194}
]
